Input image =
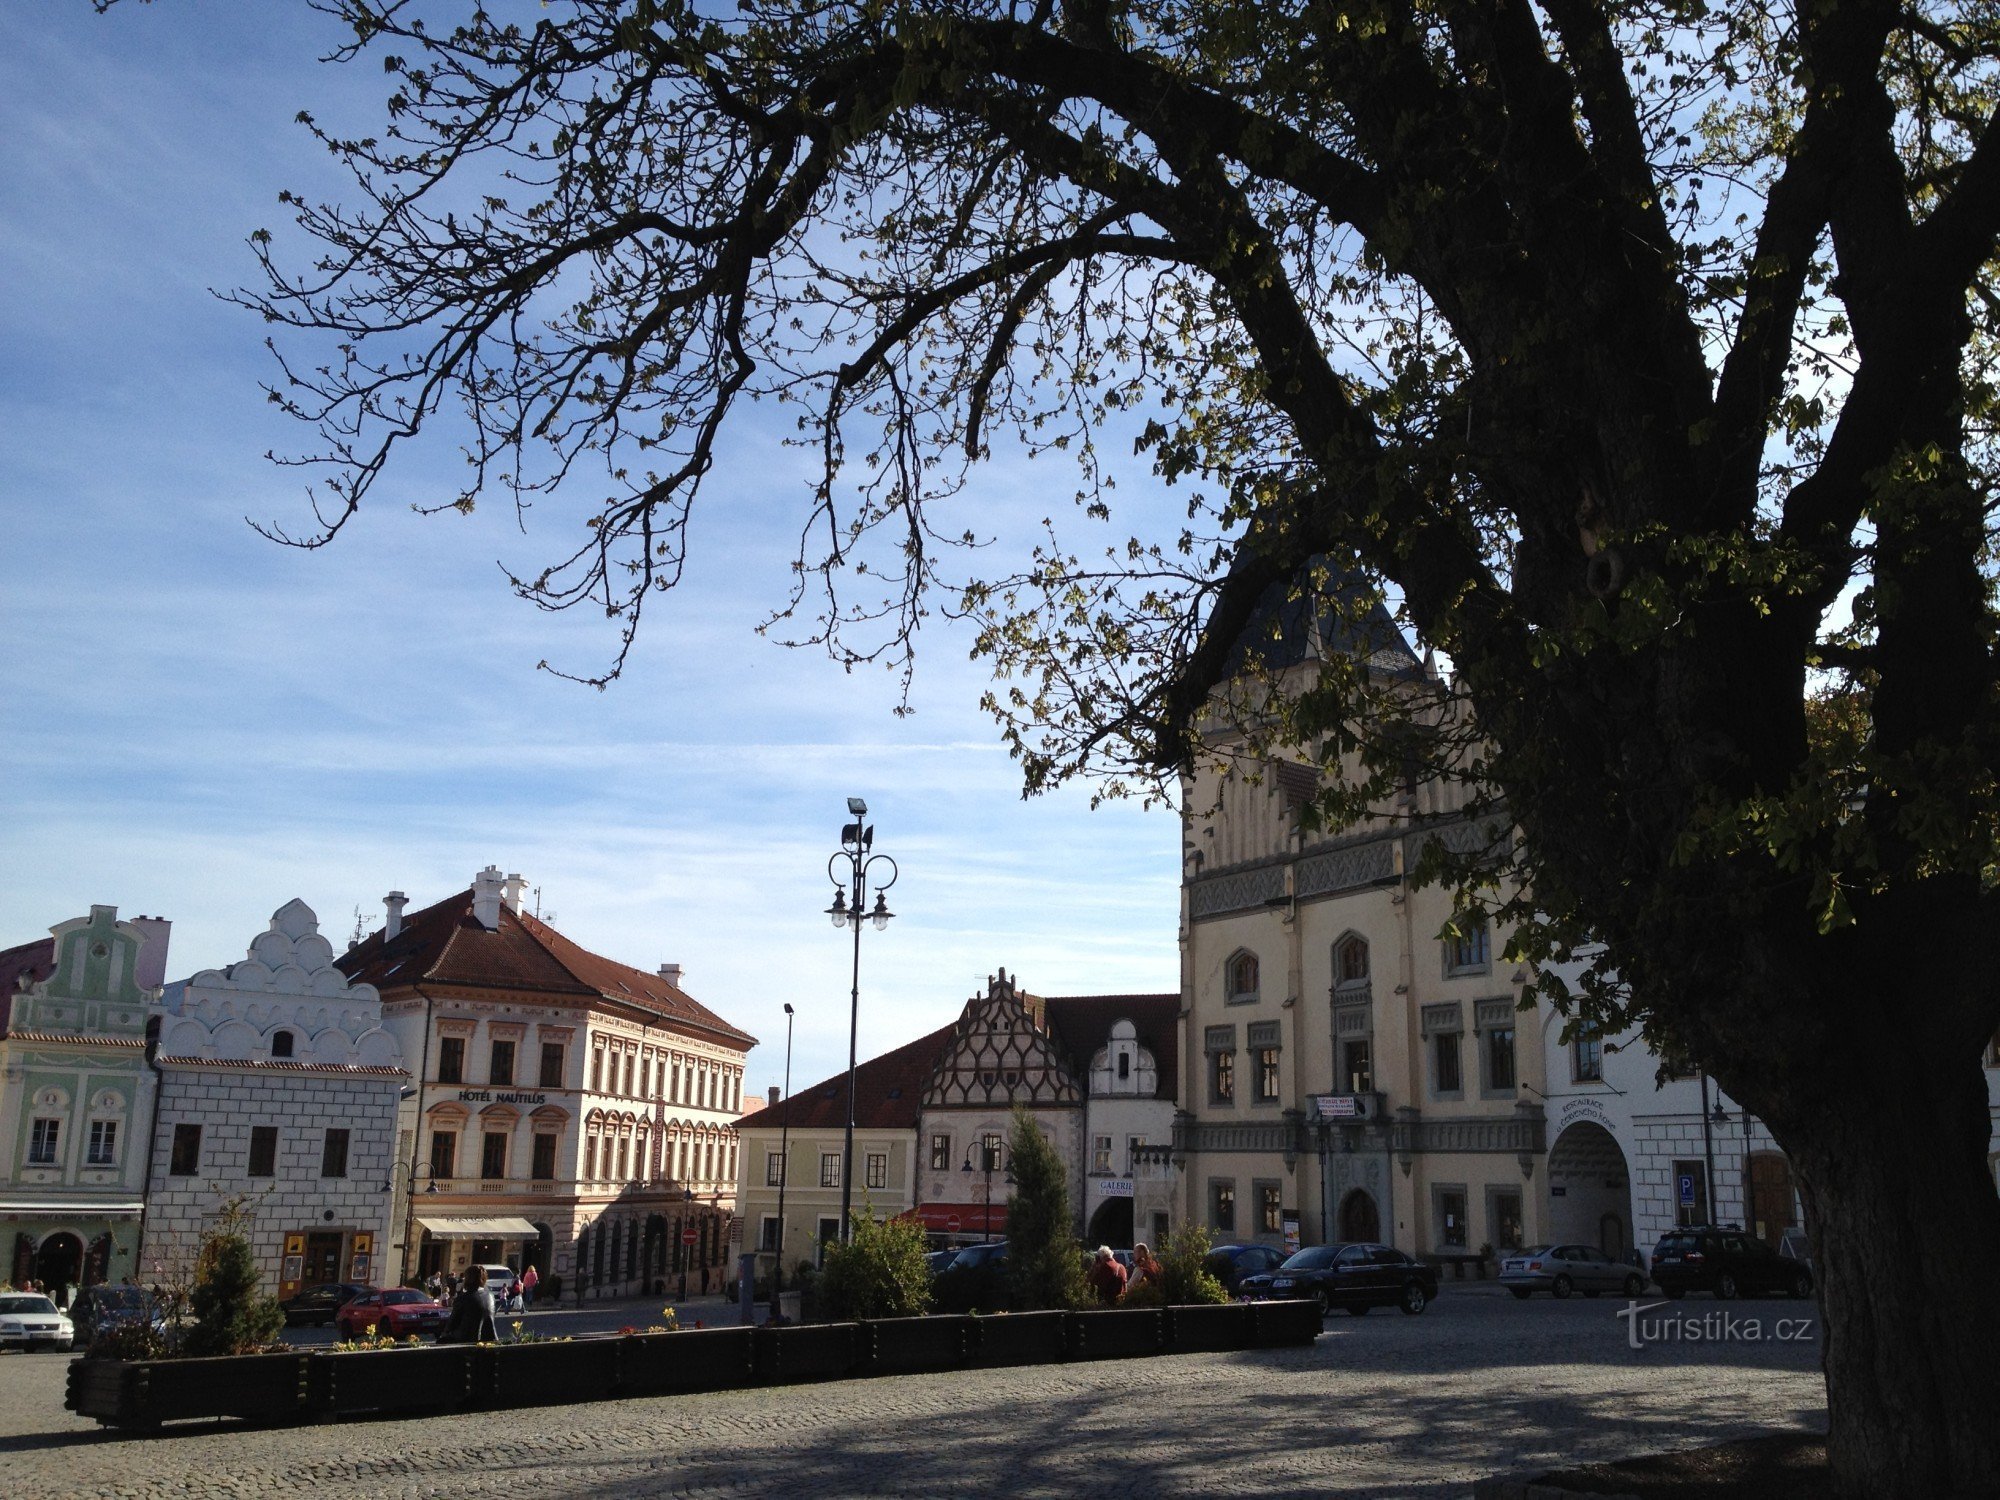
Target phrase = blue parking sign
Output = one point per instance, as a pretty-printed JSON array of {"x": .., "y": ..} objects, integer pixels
[{"x": 1687, "y": 1189}]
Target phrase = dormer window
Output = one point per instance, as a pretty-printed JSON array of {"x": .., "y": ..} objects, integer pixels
[
  {"x": 281, "y": 1044},
  {"x": 1240, "y": 979}
]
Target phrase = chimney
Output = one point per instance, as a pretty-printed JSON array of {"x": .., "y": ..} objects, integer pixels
[
  {"x": 393, "y": 904},
  {"x": 516, "y": 887},
  {"x": 486, "y": 898},
  {"x": 149, "y": 969},
  {"x": 773, "y": 1096},
  {"x": 672, "y": 974}
]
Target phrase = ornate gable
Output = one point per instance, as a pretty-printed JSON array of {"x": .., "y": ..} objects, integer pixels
[{"x": 999, "y": 1055}]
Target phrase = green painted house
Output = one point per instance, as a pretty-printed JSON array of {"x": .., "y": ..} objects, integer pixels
[{"x": 76, "y": 1098}]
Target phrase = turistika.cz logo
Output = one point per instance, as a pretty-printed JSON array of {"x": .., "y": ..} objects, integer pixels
[{"x": 1721, "y": 1326}]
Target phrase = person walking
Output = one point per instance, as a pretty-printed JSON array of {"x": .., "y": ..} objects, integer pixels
[
  {"x": 530, "y": 1279},
  {"x": 1107, "y": 1277},
  {"x": 471, "y": 1320},
  {"x": 1144, "y": 1267}
]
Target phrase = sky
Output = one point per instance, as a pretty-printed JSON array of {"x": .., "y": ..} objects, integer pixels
[{"x": 198, "y": 724}]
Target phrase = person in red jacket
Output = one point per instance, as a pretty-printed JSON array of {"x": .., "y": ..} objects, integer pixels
[{"x": 1107, "y": 1277}]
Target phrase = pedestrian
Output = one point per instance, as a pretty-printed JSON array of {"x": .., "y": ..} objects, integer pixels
[
  {"x": 471, "y": 1320},
  {"x": 1107, "y": 1277},
  {"x": 1144, "y": 1267},
  {"x": 530, "y": 1279}
]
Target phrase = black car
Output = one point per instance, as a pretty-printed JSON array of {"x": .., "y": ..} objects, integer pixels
[
  {"x": 1229, "y": 1264},
  {"x": 316, "y": 1305},
  {"x": 98, "y": 1309},
  {"x": 1727, "y": 1262},
  {"x": 1356, "y": 1277}
]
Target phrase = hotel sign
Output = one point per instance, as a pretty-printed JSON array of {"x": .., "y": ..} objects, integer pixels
[{"x": 487, "y": 1096}]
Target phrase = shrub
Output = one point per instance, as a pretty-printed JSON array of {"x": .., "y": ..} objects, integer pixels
[
  {"x": 1042, "y": 1266},
  {"x": 231, "y": 1315},
  {"x": 133, "y": 1339},
  {"x": 1183, "y": 1278},
  {"x": 1142, "y": 1294},
  {"x": 883, "y": 1271}
]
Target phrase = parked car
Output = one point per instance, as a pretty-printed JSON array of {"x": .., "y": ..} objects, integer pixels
[
  {"x": 29, "y": 1320},
  {"x": 1727, "y": 1262},
  {"x": 500, "y": 1281},
  {"x": 396, "y": 1311},
  {"x": 98, "y": 1309},
  {"x": 972, "y": 1257},
  {"x": 941, "y": 1260},
  {"x": 1562, "y": 1269},
  {"x": 1229, "y": 1264},
  {"x": 1354, "y": 1276},
  {"x": 315, "y": 1306}
]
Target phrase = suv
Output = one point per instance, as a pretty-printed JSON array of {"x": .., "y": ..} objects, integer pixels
[{"x": 1727, "y": 1262}]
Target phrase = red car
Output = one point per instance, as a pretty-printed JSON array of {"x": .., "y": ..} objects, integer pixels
[{"x": 394, "y": 1311}]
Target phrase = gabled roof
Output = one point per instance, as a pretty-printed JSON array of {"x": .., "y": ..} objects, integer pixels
[
  {"x": 1082, "y": 1023},
  {"x": 888, "y": 1092},
  {"x": 28, "y": 964},
  {"x": 445, "y": 944}
]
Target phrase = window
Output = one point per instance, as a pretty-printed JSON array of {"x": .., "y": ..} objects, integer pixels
[
  {"x": 1241, "y": 979},
  {"x": 1357, "y": 1068},
  {"x": 1503, "y": 1217},
  {"x": 1124, "y": 1066},
  {"x": 1132, "y": 1145},
  {"x": 1449, "y": 1206},
  {"x": 1586, "y": 1057},
  {"x": 767, "y": 1232},
  {"x": 597, "y": 1071},
  {"x": 1500, "y": 1059},
  {"x": 1100, "y": 1155},
  {"x": 1270, "y": 1208},
  {"x": 263, "y": 1151},
  {"x": 500, "y": 1065},
  {"x": 624, "y": 1160},
  {"x": 674, "y": 1093},
  {"x": 103, "y": 1151},
  {"x": 552, "y": 1065},
  {"x": 333, "y": 1154},
  {"x": 451, "y": 1059},
  {"x": 42, "y": 1143},
  {"x": 493, "y": 1155},
  {"x": 989, "y": 1152},
  {"x": 1469, "y": 948},
  {"x": 628, "y": 1072},
  {"x": 940, "y": 1153},
  {"x": 774, "y": 1169},
  {"x": 542, "y": 1167},
  {"x": 185, "y": 1159},
  {"x": 1222, "y": 1205},
  {"x": 829, "y": 1233},
  {"x": 1222, "y": 1078},
  {"x": 1267, "y": 1075},
  {"x": 646, "y": 1076},
  {"x": 1350, "y": 961},
  {"x": 878, "y": 1169},
  {"x": 590, "y": 1159},
  {"x": 829, "y": 1169},
  {"x": 444, "y": 1153},
  {"x": 1446, "y": 1076},
  {"x": 281, "y": 1044}
]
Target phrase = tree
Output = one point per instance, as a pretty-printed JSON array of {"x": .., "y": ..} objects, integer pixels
[
  {"x": 883, "y": 1271},
  {"x": 230, "y": 1315},
  {"x": 1640, "y": 347},
  {"x": 1044, "y": 1266}
]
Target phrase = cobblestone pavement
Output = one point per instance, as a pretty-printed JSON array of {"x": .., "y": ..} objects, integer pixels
[{"x": 1381, "y": 1406}]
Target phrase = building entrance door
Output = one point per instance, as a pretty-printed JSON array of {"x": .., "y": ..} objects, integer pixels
[
  {"x": 322, "y": 1262},
  {"x": 1770, "y": 1196},
  {"x": 1359, "y": 1218},
  {"x": 59, "y": 1262}
]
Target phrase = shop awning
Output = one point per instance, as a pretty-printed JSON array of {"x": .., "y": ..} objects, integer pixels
[
  {"x": 73, "y": 1209},
  {"x": 962, "y": 1218},
  {"x": 480, "y": 1229}
]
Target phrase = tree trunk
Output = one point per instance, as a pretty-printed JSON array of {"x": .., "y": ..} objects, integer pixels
[{"x": 1905, "y": 1229}]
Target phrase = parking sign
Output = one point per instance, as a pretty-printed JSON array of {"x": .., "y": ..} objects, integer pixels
[{"x": 1687, "y": 1189}]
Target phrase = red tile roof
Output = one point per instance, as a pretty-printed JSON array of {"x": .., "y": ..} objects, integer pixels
[
  {"x": 888, "y": 1092},
  {"x": 444, "y": 944},
  {"x": 1082, "y": 1024},
  {"x": 28, "y": 964}
]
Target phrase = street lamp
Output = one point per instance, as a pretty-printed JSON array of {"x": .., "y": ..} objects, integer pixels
[
  {"x": 993, "y": 1156},
  {"x": 784, "y": 1171},
  {"x": 855, "y": 861}
]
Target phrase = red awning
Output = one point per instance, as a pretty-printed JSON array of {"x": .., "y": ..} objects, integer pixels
[{"x": 962, "y": 1218}]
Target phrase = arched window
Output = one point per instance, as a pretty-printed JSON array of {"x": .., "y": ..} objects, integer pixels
[
  {"x": 1350, "y": 961},
  {"x": 281, "y": 1044},
  {"x": 1241, "y": 978}
]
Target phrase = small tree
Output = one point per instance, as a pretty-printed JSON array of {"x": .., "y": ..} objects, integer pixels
[
  {"x": 1043, "y": 1268},
  {"x": 1184, "y": 1276},
  {"x": 231, "y": 1315},
  {"x": 881, "y": 1272}
]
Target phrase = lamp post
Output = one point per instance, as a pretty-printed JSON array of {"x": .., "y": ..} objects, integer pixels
[
  {"x": 684, "y": 1252},
  {"x": 855, "y": 863},
  {"x": 992, "y": 1156},
  {"x": 784, "y": 1171}
]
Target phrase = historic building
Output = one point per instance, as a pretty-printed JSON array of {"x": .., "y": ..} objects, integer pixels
[
  {"x": 568, "y": 1111},
  {"x": 1126, "y": 1049},
  {"x": 76, "y": 1096},
  {"x": 279, "y": 1088}
]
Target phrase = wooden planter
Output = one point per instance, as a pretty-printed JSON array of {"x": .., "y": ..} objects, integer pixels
[
  {"x": 1117, "y": 1333},
  {"x": 438, "y": 1378},
  {"x": 1035, "y": 1338},
  {"x": 806, "y": 1351},
  {"x": 145, "y": 1393},
  {"x": 702, "y": 1359},
  {"x": 907, "y": 1346},
  {"x": 1281, "y": 1325},
  {"x": 546, "y": 1374},
  {"x": 1207, "y": 1329}
]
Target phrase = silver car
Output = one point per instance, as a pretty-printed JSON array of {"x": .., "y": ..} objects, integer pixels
[{"x": 1562, "y": 1269}]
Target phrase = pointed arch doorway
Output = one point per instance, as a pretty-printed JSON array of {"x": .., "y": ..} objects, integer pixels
[{"x": 1360, "y": 1219}]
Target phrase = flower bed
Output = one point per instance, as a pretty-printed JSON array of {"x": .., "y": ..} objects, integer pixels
[{"x": 323, "y": 1386}]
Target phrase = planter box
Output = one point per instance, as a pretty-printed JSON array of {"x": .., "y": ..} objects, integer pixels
[
  {"x": 701, "y": 1359},
  {"x": 1281, "y": 1325},
  {"x": 145, "y": 1393},
  {"x": 1035, "y": 1338},
  {"x": 418, "y": 1380},
  {"x": 807, "y": 1351},
  {"x": 904, "y": 1346},
  {"x": 587, "y": 1369},
  {"x": 1198, "y": 1329},
  {"x": 1117, "y": 1333}
]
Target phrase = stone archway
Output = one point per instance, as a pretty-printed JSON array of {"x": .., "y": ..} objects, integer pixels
[
  {"x": 59, "y": 1260},
  {"x": 1112, "y": 1224},
  {"x": 1360, "y": 1219},
  {"x": 1590, "y": 1190}
]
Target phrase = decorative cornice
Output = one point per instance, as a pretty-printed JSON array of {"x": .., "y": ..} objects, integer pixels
[
  {"x": 282, "y": 1065},
  {"x": 67, "y": 1038}
]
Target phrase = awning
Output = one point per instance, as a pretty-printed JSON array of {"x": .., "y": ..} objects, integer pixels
[
  {"x": 74, "y": 1210},
  {"x": 962, "y": 1218},
  {"x": 481, "y": 1229}
]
